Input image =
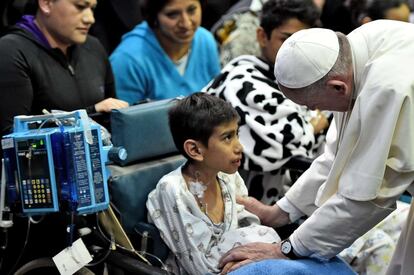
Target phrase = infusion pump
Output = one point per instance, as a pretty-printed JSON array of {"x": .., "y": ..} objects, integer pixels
[{"x": 56, "y": 163}]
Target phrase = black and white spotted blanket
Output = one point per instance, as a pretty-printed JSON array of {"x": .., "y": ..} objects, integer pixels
[{"x": 272, "y": 128}]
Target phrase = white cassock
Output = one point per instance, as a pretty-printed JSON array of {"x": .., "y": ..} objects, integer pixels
[{"x": 369, "y": 157}]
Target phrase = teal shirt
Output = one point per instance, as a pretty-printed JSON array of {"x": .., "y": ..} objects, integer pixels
[{"x": 143, "y": 70}]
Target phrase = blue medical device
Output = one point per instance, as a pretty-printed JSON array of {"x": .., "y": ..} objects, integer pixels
[{"x": 56, "y": 167}]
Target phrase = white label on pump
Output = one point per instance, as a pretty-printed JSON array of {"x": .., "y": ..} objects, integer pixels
[
  {"x": 72, "y": 258},
  {"x": 7, "y": 143},
  {"x": 86, "y": 126}
]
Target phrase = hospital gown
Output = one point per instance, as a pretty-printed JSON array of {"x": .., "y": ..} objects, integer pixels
[{"x": 196, "y": 243}]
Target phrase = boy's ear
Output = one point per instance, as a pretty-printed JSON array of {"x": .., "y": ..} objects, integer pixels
[
  {"x": 261, "y": 37},
  {"x": 193, "y": 150}
]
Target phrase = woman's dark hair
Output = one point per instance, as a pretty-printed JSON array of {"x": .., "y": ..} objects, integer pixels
[
  {"x": 196, "y": 116},
  {"x": 151, "y": 8},
  {"x": 276, "y": 12}
]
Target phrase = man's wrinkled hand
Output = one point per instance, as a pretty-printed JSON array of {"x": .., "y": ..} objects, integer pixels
[{"x": 245, "y": 254}]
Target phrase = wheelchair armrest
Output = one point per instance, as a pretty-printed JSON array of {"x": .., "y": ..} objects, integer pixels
[
  {"x": 132, "y": 265},
  {"x": 149, "y": 240}
]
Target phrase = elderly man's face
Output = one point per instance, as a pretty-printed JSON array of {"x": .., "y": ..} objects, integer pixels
[{"x": 328, "y": 99}]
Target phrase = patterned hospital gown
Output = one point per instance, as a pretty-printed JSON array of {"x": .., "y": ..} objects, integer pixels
[
  {"x": 196, "y": 243},
  {"x": 371, "y": 254}
]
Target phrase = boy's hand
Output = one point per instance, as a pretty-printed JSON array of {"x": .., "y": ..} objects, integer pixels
[
  {"x": 269, "y": 215},
  {"x": 319, "y": 122}
]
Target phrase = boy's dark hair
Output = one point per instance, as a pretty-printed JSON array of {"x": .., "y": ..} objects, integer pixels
[
  {"x": 276, "y": 12},
  {"x": 151, "y": 8},
  {"x": 196, "y": 116}
]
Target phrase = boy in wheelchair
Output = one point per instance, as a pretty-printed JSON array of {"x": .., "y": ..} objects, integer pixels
[{"x": 194, "y": 207}]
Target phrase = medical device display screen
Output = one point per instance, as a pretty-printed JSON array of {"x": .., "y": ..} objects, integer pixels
[{"x": 34, "y": 173}]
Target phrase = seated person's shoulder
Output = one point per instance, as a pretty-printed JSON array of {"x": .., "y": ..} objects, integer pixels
[
  {"x": 228, "y": 177},
  {"x": 13, "y": 39},
  {"x": 204, "y": 31},
  {"x": 16, "y": 49},
  {"x": 238, "y": 69},
  {"x": 92, "y": 41},
  {"x": 246, "y": 61},
  {"x": 136, "y": 50},
  {"x": 234, "y": 181},
  {"x": 169, "y": 184},
  {"x": 205, "y": 35},
  {"x": 93, "y": 45},
  {"x": 140, "y": 41}
]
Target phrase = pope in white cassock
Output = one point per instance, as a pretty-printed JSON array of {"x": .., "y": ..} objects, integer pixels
[{"x": 367, "y": 78}]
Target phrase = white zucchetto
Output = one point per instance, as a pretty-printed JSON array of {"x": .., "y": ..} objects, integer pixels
[{"x": 305, "y": 57}]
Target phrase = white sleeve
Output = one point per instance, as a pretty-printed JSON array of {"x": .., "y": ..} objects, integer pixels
[
  {"x": 287, "y": 206},
  {"x": 337, "y": 224}
]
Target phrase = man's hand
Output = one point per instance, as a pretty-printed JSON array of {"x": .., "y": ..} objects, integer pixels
[
  {"x": 319, "y": 122},
  {"x": 269, "y": 215},
  {"x": 110, "y": 103},
  {"x": 245, "y": 254}
]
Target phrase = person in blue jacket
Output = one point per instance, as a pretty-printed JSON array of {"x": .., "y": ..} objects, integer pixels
[{"x": 166, "y": 55}]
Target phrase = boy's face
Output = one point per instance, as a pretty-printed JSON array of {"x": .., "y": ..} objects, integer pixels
[
  {"x": 224, "y": 151},
  {"x": 270, "y": 46}
]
